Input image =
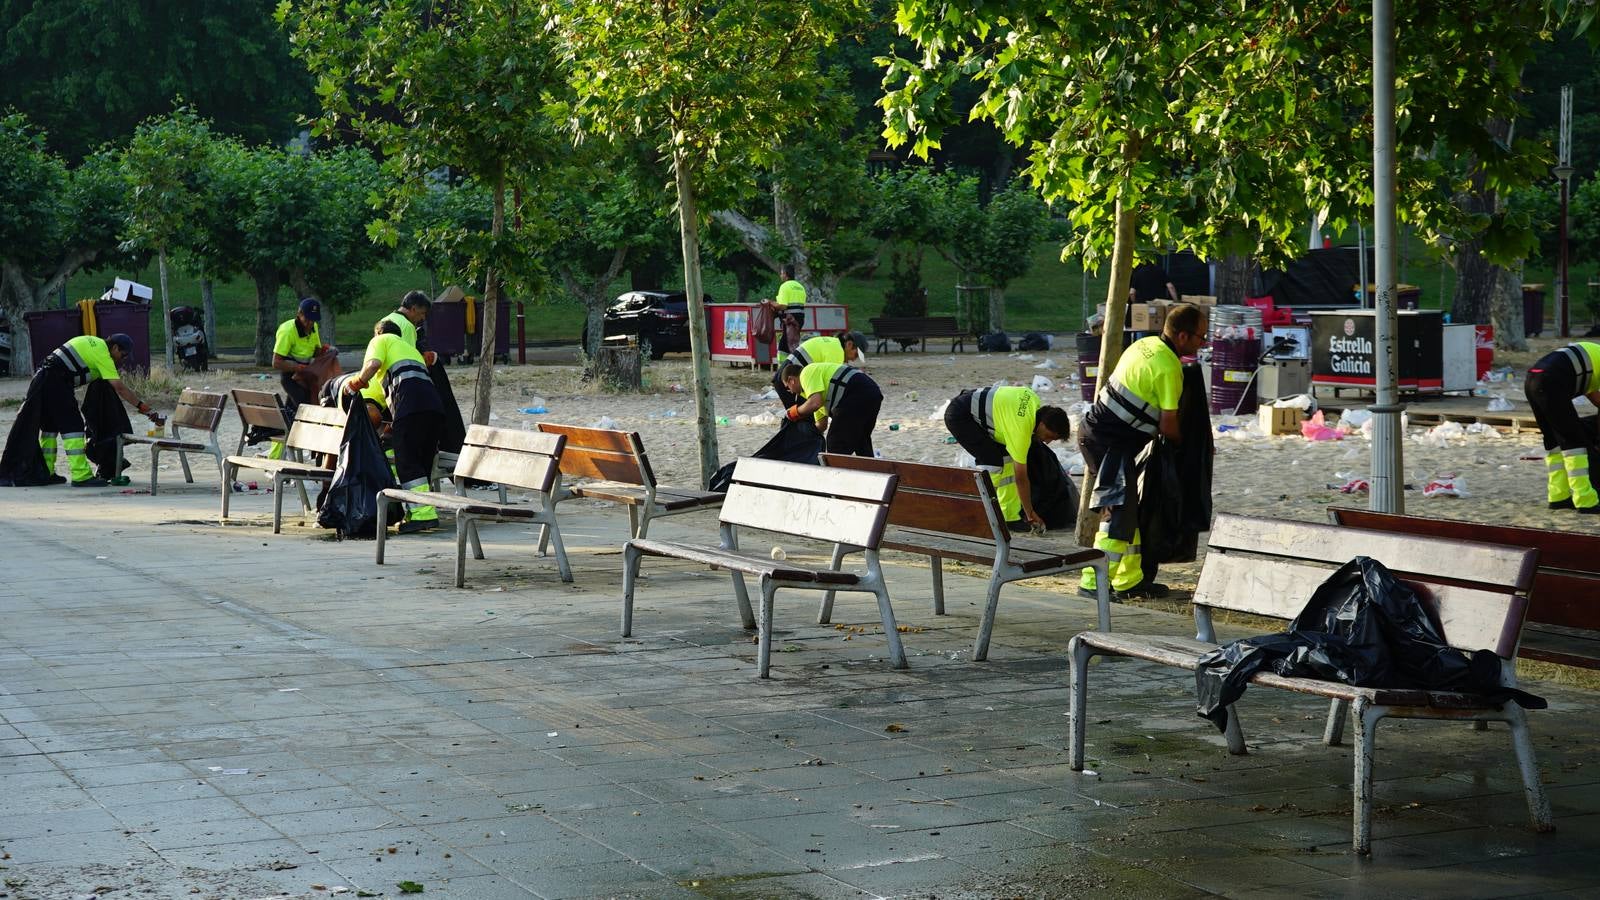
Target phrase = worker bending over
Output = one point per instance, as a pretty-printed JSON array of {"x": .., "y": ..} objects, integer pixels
[
  {"x": 844, "y": 401},
  {"x": 51, "y": 411},
  {"x": 846, "y": 348},
  {"x": 1555, "y": 381},
  {"x": 997, "y": 425},
  {"x": 416, "y": 412},
  {"x": 1138, "y": 403}
]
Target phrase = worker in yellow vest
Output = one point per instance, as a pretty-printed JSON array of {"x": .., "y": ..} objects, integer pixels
[
  {"x": 1138, "y": 403},
  {"x": 849, "y": 347},
  {"x": 791, "y": 300},
  {"x": 1555, "y": 381},
  {"x": 416, "y": 412},
  {"x": 998, "y": 425},
  {"x": 51, "y": 407},
  {"x": 842, "y": 398}
]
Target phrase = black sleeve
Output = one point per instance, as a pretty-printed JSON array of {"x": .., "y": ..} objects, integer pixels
[{"x": 422, "y": 337}]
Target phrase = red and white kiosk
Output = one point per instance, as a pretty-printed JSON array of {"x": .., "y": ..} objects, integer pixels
[{"x": 728, "y": 327}]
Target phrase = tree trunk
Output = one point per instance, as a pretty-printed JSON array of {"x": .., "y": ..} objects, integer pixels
[
  {"x": 1476, "y": 281},
  {"x": 699, "y": 346},
  {"x": 1234, "y": 274},
  {"x": 208, "y": 312},
  {"x": 166, "y": 323},
  {"x": 1110, "y": 343},
  {"x": 489, "y": 315},
  {"x": 267, "y": 282},
  {"x": 1505, "y": 309},
  {"x": 997, "y": 309}
]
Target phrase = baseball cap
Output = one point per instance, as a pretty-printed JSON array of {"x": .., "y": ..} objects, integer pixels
[
  {"x": 123, "y": 341},
  {"x": 311, "y": 308},
  {"x": 860, "y": 340}
]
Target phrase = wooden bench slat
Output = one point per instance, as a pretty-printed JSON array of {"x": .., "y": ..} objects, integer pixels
[
  {"x": 741, "y": 562},
  {"x": 514, "y": 439},
  {"x": 858, "y": 523},
  {"x": 462, "y": 504},
  {"x": 604, "y": 465},
  {"x": 1503, "y": 568},
  {"x": 583, "y": 438},
  {"x": 285, "y": 466},
  {"x": 530, "y": 471},
  {"x": 796, "y": 478},
  {"x": 1578, "y": 647},
  {"x": 1575, "y": 551}
]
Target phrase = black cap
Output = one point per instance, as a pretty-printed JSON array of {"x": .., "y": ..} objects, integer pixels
[
  {"x": 311, "y": 308},
  {"x": 121, "y": 340}
]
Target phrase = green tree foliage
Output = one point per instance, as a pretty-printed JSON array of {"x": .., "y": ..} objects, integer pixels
[
  {"x": 460, "y": 86},
  {"x": 54, "y": 221},
  {"x": 90, "y": 70},
  {"x": 439, "y": 226},
  {"x": 716, "y": 88},
  {"x": 165, "y": 165}
]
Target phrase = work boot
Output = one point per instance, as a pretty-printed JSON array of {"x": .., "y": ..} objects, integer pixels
[
  {"x": 1144, "y": 590},
  {"x": 417, "y": 526},
  {"x": 1563, "y": 504},
  {"x": 91, "y": 481},
  {"x": 1589, "y": 510}
]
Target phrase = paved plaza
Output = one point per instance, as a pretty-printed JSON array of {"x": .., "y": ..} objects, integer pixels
[{"x": 192, "y": 710}]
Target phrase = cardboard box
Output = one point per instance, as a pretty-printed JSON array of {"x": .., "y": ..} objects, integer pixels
[
  {"x": 1199, "y": 299},
  {"x": 125, "y": 291},
  {"x": 451, "y": 294},
  {"x": 1147, "y": 316},
  {"x": 1280, "y": 419}
]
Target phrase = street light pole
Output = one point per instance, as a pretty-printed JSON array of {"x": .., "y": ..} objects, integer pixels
[{"x": 1388, "y": 485}]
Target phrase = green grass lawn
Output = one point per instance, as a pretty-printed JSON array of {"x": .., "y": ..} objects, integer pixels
[{"x": 1053, "y": 296}]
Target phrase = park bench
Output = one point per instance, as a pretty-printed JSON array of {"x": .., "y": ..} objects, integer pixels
[
  {"x": 258, "y": 410},
  {"x": 1563, "y": 619},
  {"x": 198, "y": 411},
  {"x": 835, "y": 506},
  {"x": 908, "y": 330},
  {"x": 1270, "y": 568},
  {"x": 944, "y": 512},
  {"x": 508, "y": 458},
  {"x": 622, "y": 473},
  {"x": 316, "y": 430}
]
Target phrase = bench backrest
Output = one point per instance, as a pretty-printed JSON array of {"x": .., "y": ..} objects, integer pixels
[
  {"x": 1565, "y": 584},
  {"x": 259, "y": 409},
  {"x": 200, "y": 410},
  {"x": 833, "y": 505},
  {"x": 511, "y": 458},
  {"x": 317, "y": 429},
  {"x": 602, "y": 453},
  {"x": 901, "y": 323},
  {"x": 1270, "y": 567},
  {"x": 945, "y": 499}
]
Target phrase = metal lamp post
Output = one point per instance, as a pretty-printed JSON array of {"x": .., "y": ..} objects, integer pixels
[
  {"x": 1563, "y": 171},
  {"x": 1388, "y": 485}
]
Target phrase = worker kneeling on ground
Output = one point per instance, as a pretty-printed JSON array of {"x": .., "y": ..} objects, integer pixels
[
  {"x": 838, "y": 394},
  {"x": 1138, "y": 403},
  {"x": 1553, "y": 383},
  {"x": 997, "y": 425},
  {"x": 416, "y": 412},
  {"x": 51, "y": 411},
  {"x": 846, "y": 348}
]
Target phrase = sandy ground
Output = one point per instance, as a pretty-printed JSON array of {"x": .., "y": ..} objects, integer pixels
[{"x": 1276, "y": 476}]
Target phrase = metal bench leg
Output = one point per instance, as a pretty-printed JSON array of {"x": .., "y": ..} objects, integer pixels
[
  {"x": 217, "y": 455},
  {"x": 1233, "y": 733},
  {"x": 825, "y": 611},
  {"x": 155, "y": 467},
  {"x": 1102, "y": 589},
  {"x": 1333, "y": 732},
  {"x": 472, "y": 535},
  {"x": 1078, "y": 682},
  {"x": 554, "y": 531},
  {"x": 897, "y": 652},
  {"x": 764, "y": 645},
  {"x": 645, "y": 515},
  {"x": 277, "y": 504},
  {"x": 544, "y": 539},
  {"x": 938, "y": 585},
  {"x": 183, "y": 460},
  {"x": 381, "y": 531},
  {"x": 1366, "y": 723},
  {"x": 980, "y": 649},
  {"x": 633, "y": 521},
  {"x": 463, "y": 525},
  {"x": 305, "y": 499},
  {"x": 630, "y": 575},
  {"x": 116, "y": 463},
  {"x": 747, "y": 616},
  {"x": 1528, "y": 765},
  {"x": 228, "y": 471}
]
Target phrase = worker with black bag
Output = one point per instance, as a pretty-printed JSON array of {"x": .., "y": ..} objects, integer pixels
[
  {"x": 349, "y": 505},
  {"x": 417, "y": 415}
]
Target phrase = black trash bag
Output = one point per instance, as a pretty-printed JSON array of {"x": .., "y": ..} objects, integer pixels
[
  {"x": 349, "y": 505},
  {"x": 1175, "y": 483},
  {"x": 1361, "y": 627},
  {"x": 994, "y": 342},
  {"x": 453, "y": 430},
  {"x": 1034, "y": 340},
  {"x": 796, "y": 442},
  {"x": 1054, "y": 494},
  {"x": 104, "y": 418},
  {"x": 22, "y": 462}
]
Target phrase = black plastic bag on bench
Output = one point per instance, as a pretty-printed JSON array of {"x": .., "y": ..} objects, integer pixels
[
  {"x": 1361, "y": 627},
  {"x": 350, "y": 504}
]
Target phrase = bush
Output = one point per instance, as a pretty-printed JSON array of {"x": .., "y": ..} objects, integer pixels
[{"x": 906, "y": 296}]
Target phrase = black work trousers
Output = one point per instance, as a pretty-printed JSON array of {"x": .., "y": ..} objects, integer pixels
[
  {"x": 1551, "y": 387},
  {"x": 850, "y": 425},
  {"x": 415, "y": 439}
]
